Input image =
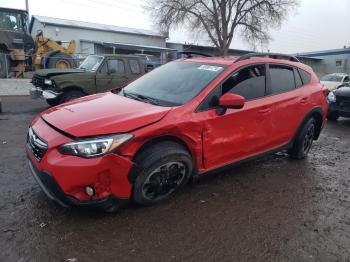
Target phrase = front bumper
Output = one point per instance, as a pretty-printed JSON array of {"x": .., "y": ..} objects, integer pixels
[
  {"x": 341, "y": 110},
  {"x": 36, "y": 92},
  {"x": 51, "y": 188},
  {"x": 108, "y": 174}
]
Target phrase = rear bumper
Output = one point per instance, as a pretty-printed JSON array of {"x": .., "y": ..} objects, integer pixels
[{"x": 52, "y": 189}]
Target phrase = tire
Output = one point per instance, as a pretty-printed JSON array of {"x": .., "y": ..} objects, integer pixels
[
  {"x": 4, "y": 66},
  {"x": 60, "y": 60},
  {"x": 165, "y": 168},
  {"x": 53, "y": 102},
  {"x": 303, "y": 141},
  {"x": 332, "y": 115},
  {"x": 70, "y": 95}
]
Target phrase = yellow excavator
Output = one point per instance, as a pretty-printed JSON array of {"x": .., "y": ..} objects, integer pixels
[{"x": 19, "y": 52}]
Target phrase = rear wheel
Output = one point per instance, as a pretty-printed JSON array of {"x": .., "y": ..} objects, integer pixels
[
  {"x": 70, "y": 95},
  {"x": 165, "y": 168},
  {"x": 4, "y": 66},
  {"x": 303, "y": 141},
  {"x": 60, "y": 60},
  {"x": 332, "y": 115}
]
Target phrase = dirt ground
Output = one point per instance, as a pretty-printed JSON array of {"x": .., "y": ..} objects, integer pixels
[{"x": 273, "y": 209}]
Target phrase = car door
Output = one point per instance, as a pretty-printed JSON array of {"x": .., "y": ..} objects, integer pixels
[
  {"x": 112, "y": 74},
  {"x": 239, "y": 133},
  {"x": 290, "y": 98},
  {"x": 135, "y": 69}
]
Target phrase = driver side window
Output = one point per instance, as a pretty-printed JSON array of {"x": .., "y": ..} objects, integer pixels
[{"x": 249, "y": 82}]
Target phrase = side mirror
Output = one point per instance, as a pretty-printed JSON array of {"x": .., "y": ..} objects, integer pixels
[{"x": 233, "y": 101}]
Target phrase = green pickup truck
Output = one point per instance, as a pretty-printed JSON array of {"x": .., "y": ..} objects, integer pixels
[{"x": 97, "y": 73}]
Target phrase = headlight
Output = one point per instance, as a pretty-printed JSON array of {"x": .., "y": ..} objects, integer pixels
[
  {"x": 48, "y": 81},
  {"x": 94, "y": 147},
  {"x": 331, "y": 97}
]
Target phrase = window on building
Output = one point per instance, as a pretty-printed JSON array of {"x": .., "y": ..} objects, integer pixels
[
  {"x": 282, "y": 79},
  {"x": 248, "y": 82},
  {"x": 134, "y": 66},
  {"x": 338, "y": 63},
  {"x": 116, "y": 66}
]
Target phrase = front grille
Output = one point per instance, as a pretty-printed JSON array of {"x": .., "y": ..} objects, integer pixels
[
  {"x": 343, "y": 102},
  {"x": 37, "y": 145},
  {"x": 38, "y": 80}
]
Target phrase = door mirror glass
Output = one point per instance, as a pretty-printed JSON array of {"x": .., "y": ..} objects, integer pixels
[{"x": 230, "y": 100}]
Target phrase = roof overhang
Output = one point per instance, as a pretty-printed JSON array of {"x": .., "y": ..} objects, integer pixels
[{"x": 133, "y": 46}]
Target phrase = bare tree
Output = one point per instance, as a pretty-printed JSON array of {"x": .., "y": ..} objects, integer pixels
[{"x": 222, "y": 19}]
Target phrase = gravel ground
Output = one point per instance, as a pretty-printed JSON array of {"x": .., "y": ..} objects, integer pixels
[{"x": 273, "y": 209}]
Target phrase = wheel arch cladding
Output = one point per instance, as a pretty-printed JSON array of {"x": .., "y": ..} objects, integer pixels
[
  {"x": 317, "y": 114},
  {"x": 152, "y": 142}
]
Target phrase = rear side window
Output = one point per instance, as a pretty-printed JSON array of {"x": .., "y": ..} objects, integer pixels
[
  {"x": 134, "y": 66},
  {"x": 116, "y": 66},
  {"x": 298, "y": 81},
  {"x": 248, "y": 82},
  {"x": 305, "y": 76},
  {"x": 282, "y": 79}
]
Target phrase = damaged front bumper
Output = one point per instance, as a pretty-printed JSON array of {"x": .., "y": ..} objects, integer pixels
[
  {"x": 54, "y": 192},
  {"x": 37, "y": 92}
]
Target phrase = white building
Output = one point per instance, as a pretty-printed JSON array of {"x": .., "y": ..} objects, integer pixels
[{"x": 92, "y": 38}]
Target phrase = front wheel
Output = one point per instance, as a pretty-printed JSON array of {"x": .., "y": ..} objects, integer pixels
[
  {"x": 53, "y": 102},
  {"x": 70, "y": 95},
  {"x": 303, "y": 142},
  {"x": 165, "y": 168}
]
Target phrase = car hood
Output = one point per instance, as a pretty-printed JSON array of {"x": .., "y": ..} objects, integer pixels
[
  {"x": 55, "y": 71},
  {"x": 103, "y": 114},
  {"x": 330, "y": 85},
  {"x": 343, "y": 91}
]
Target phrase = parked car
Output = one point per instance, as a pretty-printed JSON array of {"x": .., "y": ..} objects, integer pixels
[
  {"x": 150, "y": 61},
  {"x": 333, "y": 81},
  {"x": 339, "y": 102},
  {"x": 184, "y": 119},
  {"x": 97, "y": 73}
]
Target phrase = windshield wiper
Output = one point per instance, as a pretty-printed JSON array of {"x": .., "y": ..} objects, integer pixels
[{"x": 142, "y": 98}]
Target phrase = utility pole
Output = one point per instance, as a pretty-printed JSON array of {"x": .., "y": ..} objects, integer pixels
[{"x": 27, "y": 9}]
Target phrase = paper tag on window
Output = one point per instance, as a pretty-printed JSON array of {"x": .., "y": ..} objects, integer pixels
[{"x": 210, "y": 68}]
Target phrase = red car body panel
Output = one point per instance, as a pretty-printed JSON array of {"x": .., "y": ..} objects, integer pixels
[
  {"x": 213, "y": 140},
  {"x": 107, "y": 114}
]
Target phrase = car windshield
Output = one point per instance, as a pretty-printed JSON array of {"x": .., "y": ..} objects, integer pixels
[
  {"x": 91, "y": 63},
  {"x": 173, "y": 84},
  {"x": 332, "y": 78}
]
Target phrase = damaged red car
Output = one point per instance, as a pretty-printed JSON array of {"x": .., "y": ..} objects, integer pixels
[{"x": 180, "y": 121}]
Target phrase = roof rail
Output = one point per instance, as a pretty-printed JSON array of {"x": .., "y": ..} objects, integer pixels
[
  {"x": 269, "y": 55},
  {"x": 190, "y": 54}
]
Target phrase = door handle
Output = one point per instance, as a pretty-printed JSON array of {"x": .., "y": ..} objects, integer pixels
[
  {"x": 304, "y": 100},
  {"x": 264, "y": 111}
]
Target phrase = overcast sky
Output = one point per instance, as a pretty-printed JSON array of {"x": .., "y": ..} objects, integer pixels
[{"x": 315, "y": 25}]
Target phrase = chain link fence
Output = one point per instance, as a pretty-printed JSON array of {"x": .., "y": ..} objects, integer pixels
[{"x": 14, "y": 65}]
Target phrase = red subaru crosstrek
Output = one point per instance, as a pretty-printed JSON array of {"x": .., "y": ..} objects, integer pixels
[{"x": 182, "y": 120}]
